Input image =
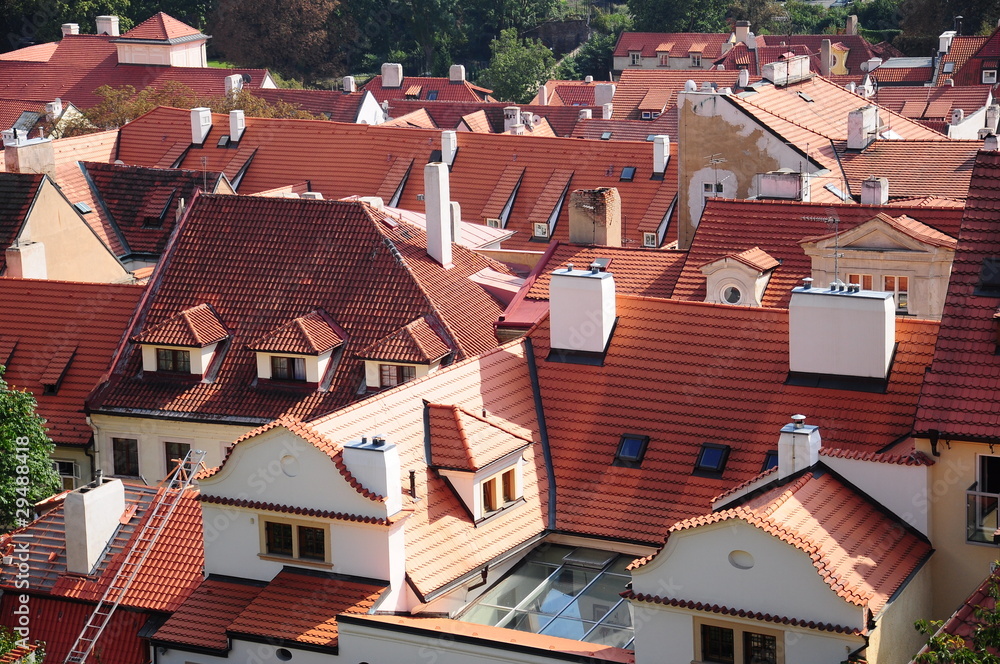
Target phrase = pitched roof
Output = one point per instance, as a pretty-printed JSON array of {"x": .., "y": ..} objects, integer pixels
[
  {"x": 931, "y": 105},
  {"x": 82, "y": 63},
  {"x": 914, "y": 167},
  {"x": 427, "y": 88},
  {"x": 681, "y": 43},
  {"x": 448, "y": 114},
  {"x": 318, "y": 598},
  {"x": 334, "y": 105},
  {"x": 777, "y": 227},
  {"x": 418, "y": 118},
  {"x": 477, "y": 122},
  {"x": 34, "y": 53},
  {"x": 17, "y": 195},
  {"x": 169, "y": 574},
  {"x": 961, "y": 387},
  {"x": 464, "y": 440},
  {"x": 836, "y": 526},
  {"x": 202, "y": 620},
  {"x": 41, "y": 318},
  {"x": 653, "y": 383},
  {"x": 350, "y": 159},
  {"x": 277, "y": 265},
  {"x": 629, "y": 130},
  {"x": 195, "y": 327},
  {"x": 754, "y": 258},
  {"x": 962, "y": 48},
  {"x": 634, "y": 84},
  {"x": 416, "y": 342},
  {"x": 162, "y": 27},
  {"x": 859, "y": 48},
  {"x": 311, "y": 334},
  {"x": 11, "y": 111}
]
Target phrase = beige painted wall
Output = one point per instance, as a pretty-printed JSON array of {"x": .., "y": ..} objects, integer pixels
[
  {"x": 72, "y": 251},
  {"x": 895, "y": 640},
  {"x": 77, "y": 455}
]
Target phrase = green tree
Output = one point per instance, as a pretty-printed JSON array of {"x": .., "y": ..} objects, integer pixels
[
  {"x": 762, "y": 14},
  {"x": 26, "y": 473},
  {"x": 679, "y": 15},
  {"x": 517, "y": 67},
  {"x": 944, "y": 648}
]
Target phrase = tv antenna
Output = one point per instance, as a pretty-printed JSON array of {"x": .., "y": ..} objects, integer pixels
[{"x": 832, "y": 219}]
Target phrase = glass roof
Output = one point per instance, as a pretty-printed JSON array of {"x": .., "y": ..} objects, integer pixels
[{"x": 562, "y": 591}]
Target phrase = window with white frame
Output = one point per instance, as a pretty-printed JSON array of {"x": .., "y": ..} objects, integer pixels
[
  {"x": 989, "y": 76},
  {"x": 730, "y": 643},
  {"x": 899, "y": 287},
  {"x": 983, "y": 501},
  {"x": 302, "y": 541},
  {"x": 68, "y": 471},
  {"x": 712, "y": 189},
  {"x": 288, "y": 368},
  {"x": 391, "y": 375},
  {"x": 664, "y": 59},
  {"x": 635, "y": 57},
  {"x": 696, "y": 59}
]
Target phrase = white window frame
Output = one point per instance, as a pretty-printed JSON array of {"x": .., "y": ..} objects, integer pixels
[
  {"x": 264, "y": 519},
  {"x": 989, "y": 76},
  {"x": 695, "y": 59},
  {"x": 900, "y": 297},
  {"x": 635, "y": 57},
  {"x": 649, "y": 240},
  {"x": 72, "y": 477},
  {"x": 664, "y": 59}
]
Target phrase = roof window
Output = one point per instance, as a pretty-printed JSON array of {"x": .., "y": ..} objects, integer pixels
[
  {"x": 770, "y": 460},
  {"x": 628, "y": 173},
  {"x": 712, "y": 458},
  {"x": 989, "y": 278},
  {"x": 432, "y": 95},
  {"x": 631, "y": 450},
  {"x": 606, "y": 136},
  {"x": 82, "y": 207}
]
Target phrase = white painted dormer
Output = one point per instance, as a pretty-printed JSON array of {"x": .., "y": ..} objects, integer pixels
[
  {"x": 411, "y": 352},
  {"x": 183, "y": 344},
  {"x": 299, "y": 351},
  {"x": 488, "y": 490},
  {"x": 739, "y": 279}
]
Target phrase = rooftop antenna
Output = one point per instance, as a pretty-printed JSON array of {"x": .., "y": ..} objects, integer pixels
[
  {"x": 204, "y": 174},
  {"x": 832, "y": 219},
  {"x": 714, "y": 161}
]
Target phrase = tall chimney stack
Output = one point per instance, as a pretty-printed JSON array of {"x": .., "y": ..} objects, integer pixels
[
  {"x": 201, "y": 124},
  {"x": 375, "y": 464},
  {"x": 437, "y": 196},
  {"x": 107, "y": 25},
  {"x": 91, "y": 515},
  {"x": 595, "y": 217}
]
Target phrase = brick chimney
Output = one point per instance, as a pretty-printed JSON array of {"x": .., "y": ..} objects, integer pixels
[
  {"x": 91, "y": 514},
  {"x": 374, "y": 463},
  {"x": 107, "y": 25},
  {"x": 875, "y": 191},
  {"x": 392, "y": 75},
  {"x": 595, "y": 217},
  {"x": 437, "y": 196},
  {"x": 201, "y": 124},
  {"x": 798, "y": 447},
  {"x": 582, "y": 310}
]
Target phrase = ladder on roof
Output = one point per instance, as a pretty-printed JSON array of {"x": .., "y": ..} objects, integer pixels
[{"x": 162, "y": 508}]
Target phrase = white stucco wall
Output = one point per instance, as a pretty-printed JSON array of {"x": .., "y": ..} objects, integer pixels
[
  {"x": 894, "y": 486},
  {"x": 247, "y": 652},
  {"x": 200, "y": 358},
  {"x": 316, "y": 365},
  {"x": 695, "y": 566},
  {"x": 373, "y": 378}
]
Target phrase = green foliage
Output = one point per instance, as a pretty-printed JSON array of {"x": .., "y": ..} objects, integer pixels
[
  {"x": 679, "y": 15},
  {"x": 930, "y": 17},
  {"x": 26, "y": 473},
  {"x": 593, "y": 59},
  {"x": 765, "y": 16},
  {"x": 517, "y": 68},
  {"x": 944, "y": 648}
]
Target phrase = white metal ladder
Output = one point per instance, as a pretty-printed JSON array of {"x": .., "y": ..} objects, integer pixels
[{"x": 160, "y": 510}]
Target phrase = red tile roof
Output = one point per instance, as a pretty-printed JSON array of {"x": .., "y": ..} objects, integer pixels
[
  {"x": 931, "y": 104},
  {"x": 318, "y": 598},
  {"x": 416, "y": 342},
  {"x": 202, "y": 620},
  {"x": 730, "y": 226},
  {"x": 837, "y": 527},
  {"x": 40, "y": 318},
  {"x": 635, "y": 83},
  {"x": 654, "y": 383},
  {"x": 477, "y": 122},
  {"x": 860, "y": 50},
  {"x": 962, "y": 48},
  {"x": 379, "y": 280},
  {"x": 914, "y": 167},
  {"x": 973, "y": 616},
  {"x": 36, "y": 53},
  {"x": 311, "y": 334},
  {"x": 331, "y": 104},
  {"x": 58, "y": 623},
  {"x": 906, "y": 75},
  {"x": 741, "y": 57},
  {"x": 357, "y": 156},
  {"x": 421, "y": 87},
  {"x": 960, "y": 391},
  {"x": 19, "y": 654},
  {"x": 912, "y": 458},
  {"x": 448, "y": 114},
  {"x": 575, "y": 95},
  {"x": 755, "y": 258},
  {"x": 169, "y": 574},
  {"x": 682, "y": 43},
  {"x": 629, "y": 130},
  {"x": 464, "y": 440},
  {"x": 418, "y": 118},
  {"x": 291, "y": 509},
  {"x": 11, "y": 110},
  {"x": 196, "y": 327},
  {"x": 17, "y": 197},
  {"x": 162, "y": 27},
  {"x": 83, "y": 63}
]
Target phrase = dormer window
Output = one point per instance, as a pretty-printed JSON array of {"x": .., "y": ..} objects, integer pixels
[
  {"x": 696, "y": 59},
  {"x": 300, "y": 351},
  {"x": 770, "y": 460},
  {"x": 739, "y": 279},
  {"x": 989, "y": 76},
  {"x": 391, "y": 375},
  {"x": 410, "y": 352},
  {"x": 712, "y": 458},
  {"x": 635, "y": 57},
  {"x": 183, "y": 344},
  {"x": 664, "y": 59},
  {"x": 173, "y": 360},
  {"x": 288, "y": 368},
  {"x": 499, "y": 491},
  {"x": 631, "y": 450}
]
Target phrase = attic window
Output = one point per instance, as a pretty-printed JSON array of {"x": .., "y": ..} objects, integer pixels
[
  {"x": 432, "y": 95},
  {"x": 989, "y": 278},
  {"x": 949, "y": 67},
  {"x": 712, "y": 458},
  {"x": 770, "y": 460},
  {"x": 647, "y": 115},
  {"x": 606, "y": 136},
  {"x": 82, "y": 208},
  {"x": 628, "y": 173},
  {"x": 631, "y": 450},
  {"x": 805, "y": 97},
  {"x": 989, "y": 76},
  {"x": 223, "y": 141},
  {"x": 650, "y": 138}
]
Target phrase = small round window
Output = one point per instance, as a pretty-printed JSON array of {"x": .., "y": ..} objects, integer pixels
[
  {"x": 731, "y": 294},
  {"x": 740, "y": 559},
  {"x": 284, "y": 654}
]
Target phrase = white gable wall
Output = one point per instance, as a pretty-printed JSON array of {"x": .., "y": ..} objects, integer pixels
[{"x": 901, "y": 489}]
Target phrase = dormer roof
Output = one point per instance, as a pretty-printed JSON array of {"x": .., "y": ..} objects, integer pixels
[
  {"x": 311, "y": 334},
  {"x": 161, "y": 27},
  {"x": 196, "y": 327},
  {"x": 754, "y": 258},
  {"x": 417, "y": 342},
  {"x": 463, "y": 440}
]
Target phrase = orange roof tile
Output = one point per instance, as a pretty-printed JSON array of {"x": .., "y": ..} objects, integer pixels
[
  {"x": 477, "y": 122},
  {"x": 35, "y": 53},
  {"x": 836, "y": 526},
  {"x": 859, "y": 49},
  {"x": 907, "y": 226},
  {"x": 682, "y": 43},
  {"x": 196, "y": 327},
  {"x": 960, "y": 391},
  {"x": 972, "y": 616},
  {"x": 318, "y": 598},
  {"x": 311, "y": 334},
  {"x": 418, "y": 118},
  {"x": 41, "y": 319},
  {"x": 464, "y": 440},
  {"x": 162, "y": 27},
  {"x": 17, "y": 197},
  {"x": 416, "y": 342},
  {"x": 962, "y": 48},
  {"x": 449, "y": 114},
  {"x": 202, "y": 620},
  {"x": 914, "y": 167},
  {"x": 634, "y": 84},
  {"x": 629, "y": 130},
  {"x": 429, "y": 88},
  {"x": 755, "y": 258},
  {"x": 19, "y": 654}
]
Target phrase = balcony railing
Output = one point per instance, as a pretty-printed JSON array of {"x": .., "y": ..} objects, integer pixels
[{"x": 981, "y": 516}]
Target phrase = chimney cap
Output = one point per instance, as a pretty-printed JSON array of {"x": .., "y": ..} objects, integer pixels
[{"x": 799, "y": 421}]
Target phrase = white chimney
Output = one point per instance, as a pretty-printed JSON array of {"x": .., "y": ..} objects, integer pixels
[
  {"x": 91, "y": 515},
  {"x": 455, "y": 217},
  {"x": 798, "y": 447},
  {"x": 70, "y": 29},
  {"x": 449, "y": 146},
  {"x": 825, "y": 57},
  {"x": 437, "y": 195},
  {"x": 851, "y": 87},
  {"x": 875, "y": 191},
  {"x": 841, "y": 331},
  {"x": 511, "y": 118},
  {"x": 201, "y": 124},
  {"x": 776, "y": 72},
  {"x": 456, "y": 73},
  {"x": 392, "y": 75},
  {"x": 311, "y": 195},
  {"x": 871, "y": 64},
  {"x": 852, "y": 25},
  {"x": 348, "y": 84},
  {"x": 542, "y": 96},
  {"x": 944, "y": 41},
  {"x": 784, "y": 184},
  {"x": 28, "y": 155},
  {"x": 957, "y": 115},
  {"x": 234, "y": 83},
  {"x": 588, "y": 79},
  {"x": 374, "y": 463},
  {"x": 992, "y": 117},
  {"x": 743, "y": 78},
  {"x": 585, "y": 114},
  {"x": 237, "y": 125},
  {"x": 604, "y": 93},
  {"x": 661, "y": 154},
  {"x": 26, "y": 260},
  {"x": 107, "y": 25},
  {"x": 990, "y": 144},
  {"x": 862, "y": 127},
  {"x": 607, "y": 110},
  {"x": 581, "y": 310}
]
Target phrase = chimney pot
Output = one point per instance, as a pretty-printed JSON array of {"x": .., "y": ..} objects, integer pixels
[
  {"x": 798, "y": 447},
  {"x": 348, "y": 85},
  {"x": 807, "y": 283},
  {"x": 799, "y": 421},
  {"x": 70, "y": 29}
]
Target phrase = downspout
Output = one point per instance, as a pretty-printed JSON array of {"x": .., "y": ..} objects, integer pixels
[
  {"x": 543, "y": 431},
  {"x": 91, "y": 450}
]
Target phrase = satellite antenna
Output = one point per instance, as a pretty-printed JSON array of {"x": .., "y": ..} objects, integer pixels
[
  {"x": 832, "y": 219},
  {"x": 247, "y": 78}
]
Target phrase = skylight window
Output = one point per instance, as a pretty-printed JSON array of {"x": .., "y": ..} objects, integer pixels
[
  {"x": 628, "y": 173},
  {"x": 82, "y": 207},
  {"x": 989, "y": 278},
  {"x": 631, "y": 450},
  {"x": 432, "y": 95},
  {"x": 949, "y": 67},
  {"x": 650, "y": 138},
  {"x": 712, "y": 458},
  {"x": 606, "y": 136},
  {"x": 770, "y": 460},
  {"x": 223, "y": 141}
]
